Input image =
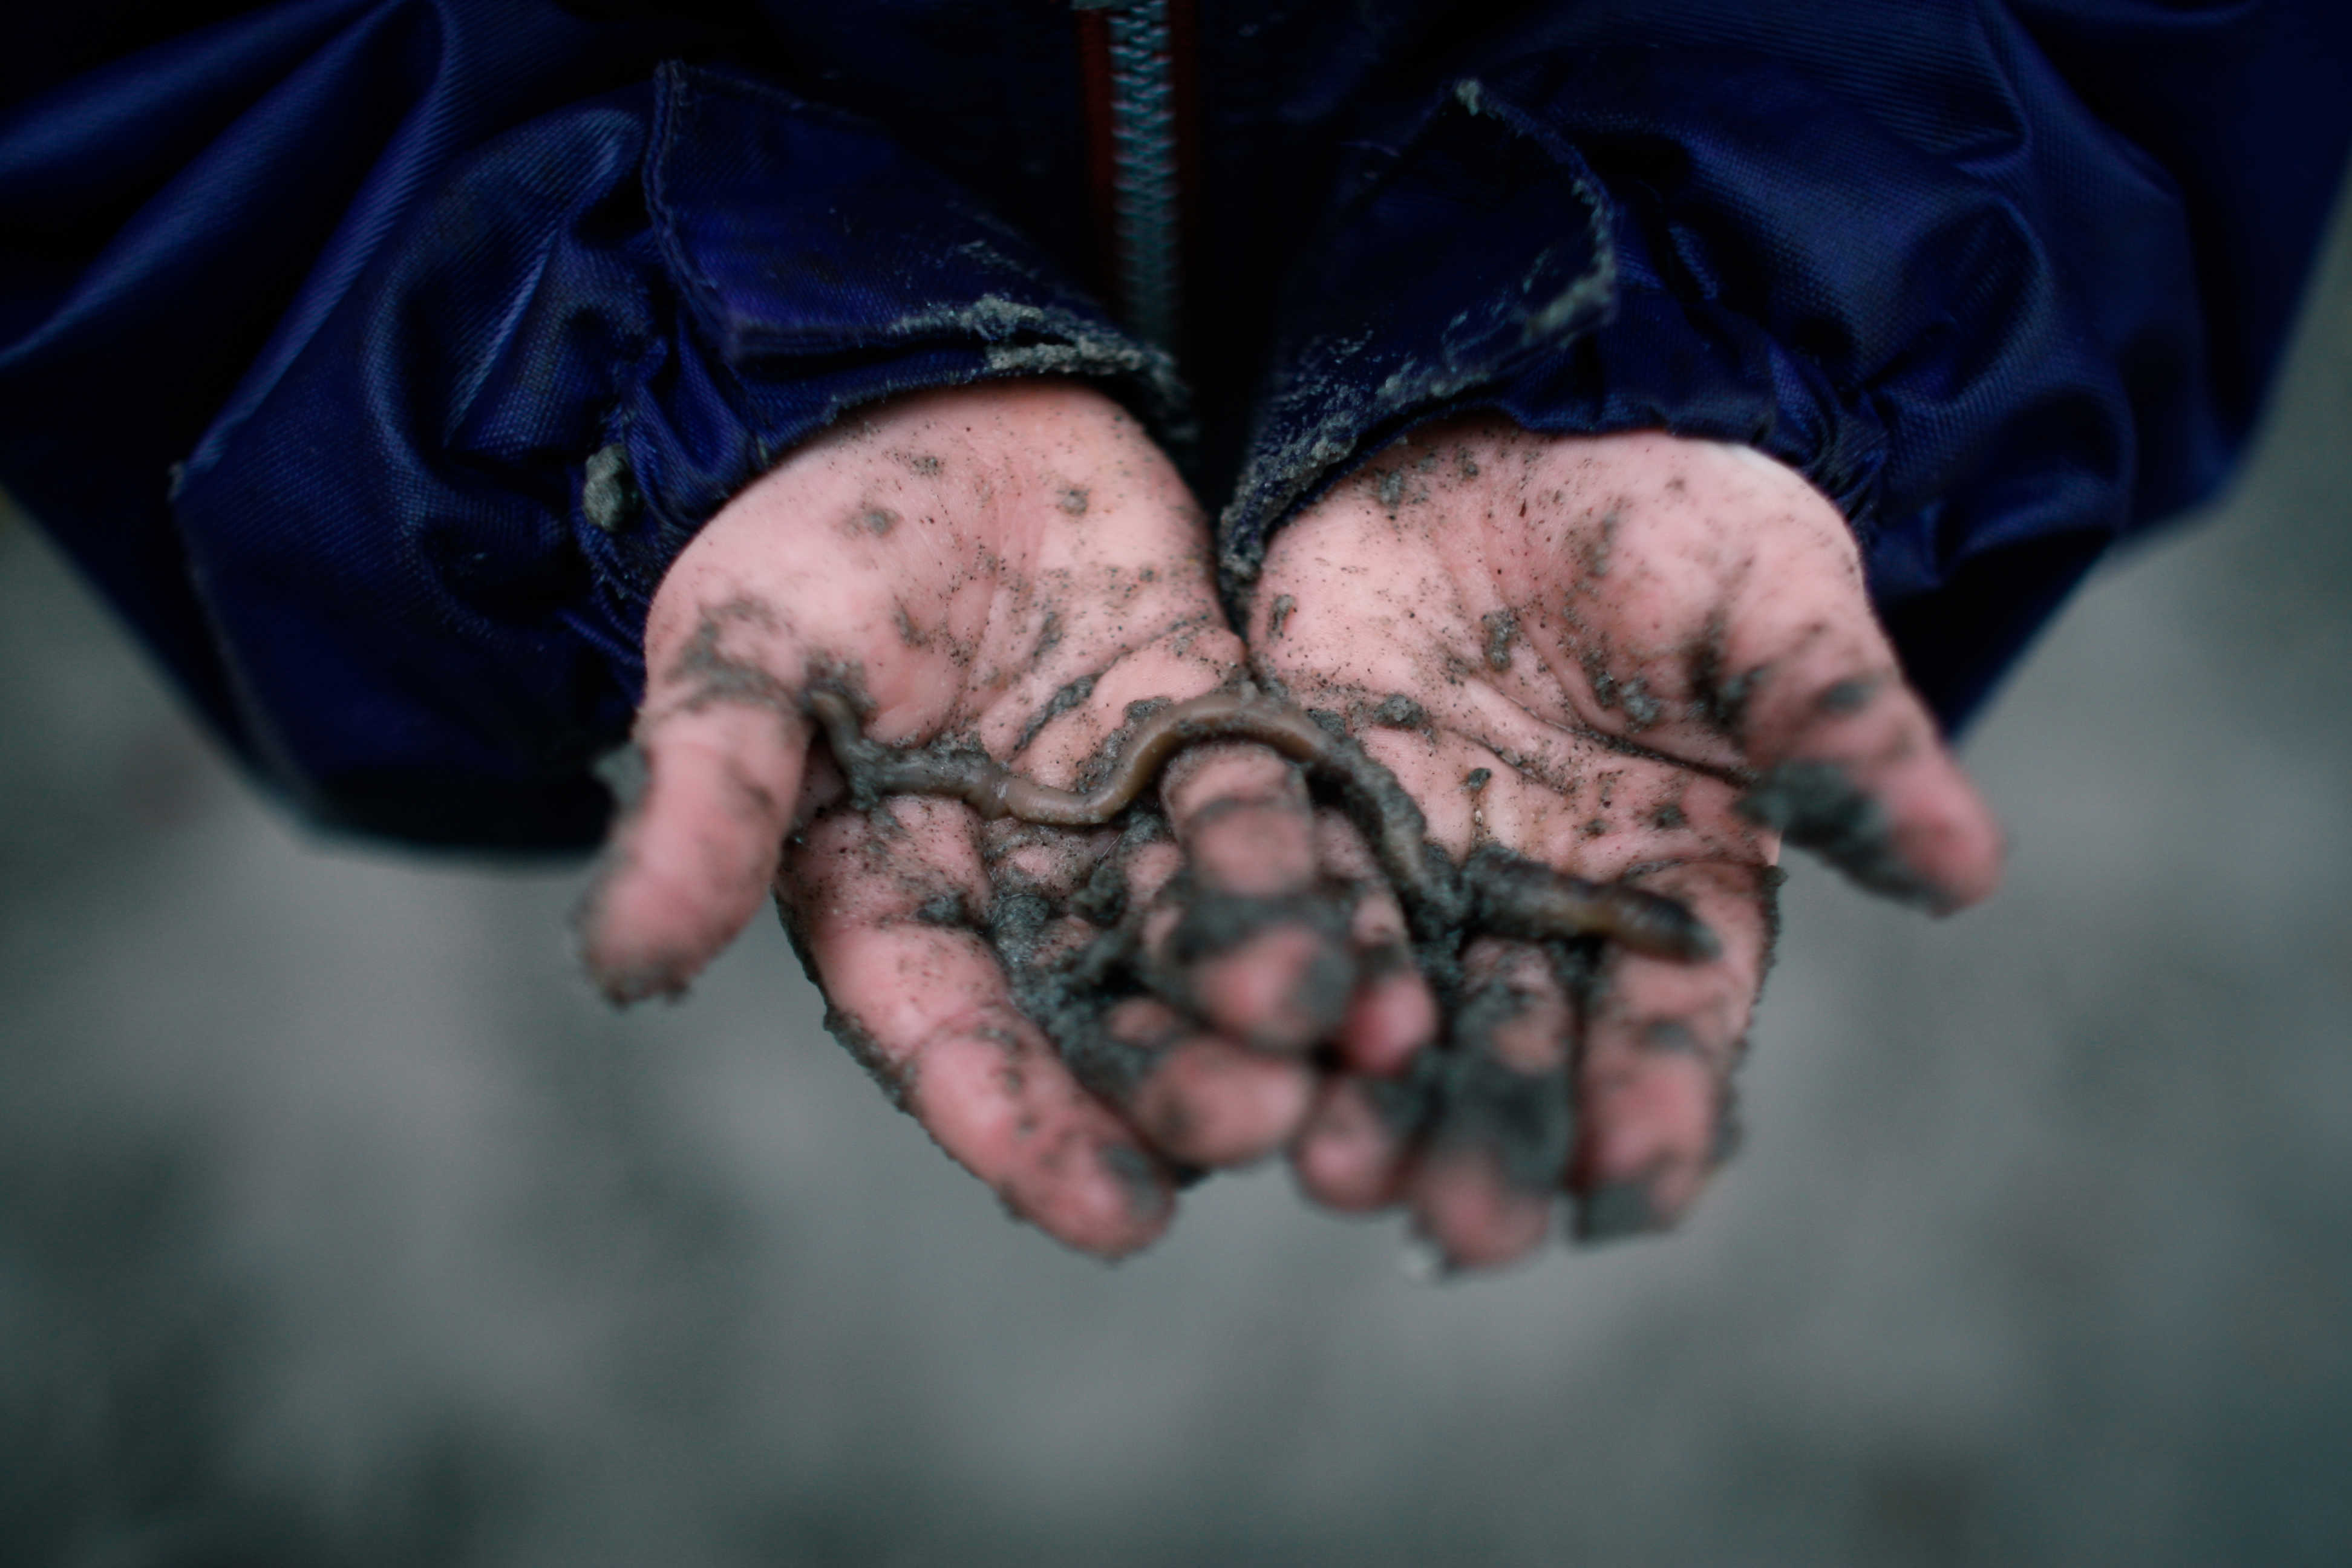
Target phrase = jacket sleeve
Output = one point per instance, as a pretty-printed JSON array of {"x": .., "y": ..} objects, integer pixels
[
  {"x": 2006, "y": 281},
  {"x": 377, "y": 356}
]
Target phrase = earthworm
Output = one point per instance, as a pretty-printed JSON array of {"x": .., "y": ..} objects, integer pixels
[{"x": 1504, "y": 893}]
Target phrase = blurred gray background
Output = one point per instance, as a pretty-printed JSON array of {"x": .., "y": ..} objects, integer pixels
[{"x": 340, "y": 1225}]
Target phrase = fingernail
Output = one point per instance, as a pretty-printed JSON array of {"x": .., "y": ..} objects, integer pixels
[{"x": 1615, "y": 1211}]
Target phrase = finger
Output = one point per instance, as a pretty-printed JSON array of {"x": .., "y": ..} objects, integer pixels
[
  {"x": 1475, "y": 1218},
  {"x": 1262, "y": 949},
  {"x": 1796, "y": 669},
  {"x": 1391, "y": 1013},
  {"x": 1785, "y": 667},
  {"x": 1351, "y": 1152},
  {"x": 722, "y": 743},
  {"x": 1200, "y": 1099},
  {"x": 1852, "y": 768},
  {"x": 692, "y": 857},
  {"x": 1498, "y": 1147},
  {"x": 1392, "y": 1016},
  {"x": 1661, "y": 1039},
  {"x": 927, "y": 1006}
]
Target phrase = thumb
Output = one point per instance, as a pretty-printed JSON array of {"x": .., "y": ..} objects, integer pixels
[{"x": 724, "y": 746}]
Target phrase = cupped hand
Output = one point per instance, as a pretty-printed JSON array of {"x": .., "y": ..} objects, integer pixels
[
  {"x": 1013, "y": 569},
  {"x": 1631, "y": 657}
]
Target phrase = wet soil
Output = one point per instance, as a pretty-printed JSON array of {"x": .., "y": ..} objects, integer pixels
[{"x": 1461, "y": 1097}]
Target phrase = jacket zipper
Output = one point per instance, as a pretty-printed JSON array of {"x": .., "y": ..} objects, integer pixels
[{"x": 1128, "y": 53}]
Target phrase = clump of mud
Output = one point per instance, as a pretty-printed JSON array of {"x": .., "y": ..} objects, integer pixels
[{"x": 1459, "y": 1097}]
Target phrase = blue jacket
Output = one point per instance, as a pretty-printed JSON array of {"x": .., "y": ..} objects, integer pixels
[{"x": 313, "y": 314}]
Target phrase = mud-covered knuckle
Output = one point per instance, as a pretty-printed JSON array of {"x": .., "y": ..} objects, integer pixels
[
  {"x": 1210, "y": 923},
  {"x": 1277, "y": 971},
  {"x": 1211, "y": 781}
]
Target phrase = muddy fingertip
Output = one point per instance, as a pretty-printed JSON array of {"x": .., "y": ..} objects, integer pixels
[
  {"x": 1147, "y": 1186},
  {"x": 1479, "y": 1217},
  {"x": 1347, "y": 1158},
  {"x": 622, "y": 976},
  {"x": 1817, "y": 805}
]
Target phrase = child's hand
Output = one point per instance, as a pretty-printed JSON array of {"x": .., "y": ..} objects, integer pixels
[
  {"x": 1009, "y": 566},
  {"x": 1639, "y": 657}
]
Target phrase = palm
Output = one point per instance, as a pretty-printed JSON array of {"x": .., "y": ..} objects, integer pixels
[
  {"x": 1637, "y": 658},
  {"x": 1002, "y": 571}
]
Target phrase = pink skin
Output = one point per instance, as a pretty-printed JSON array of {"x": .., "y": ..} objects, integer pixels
[
  {"x": 967, "y": 554},
  {"x": 1543, "y": 599}
]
